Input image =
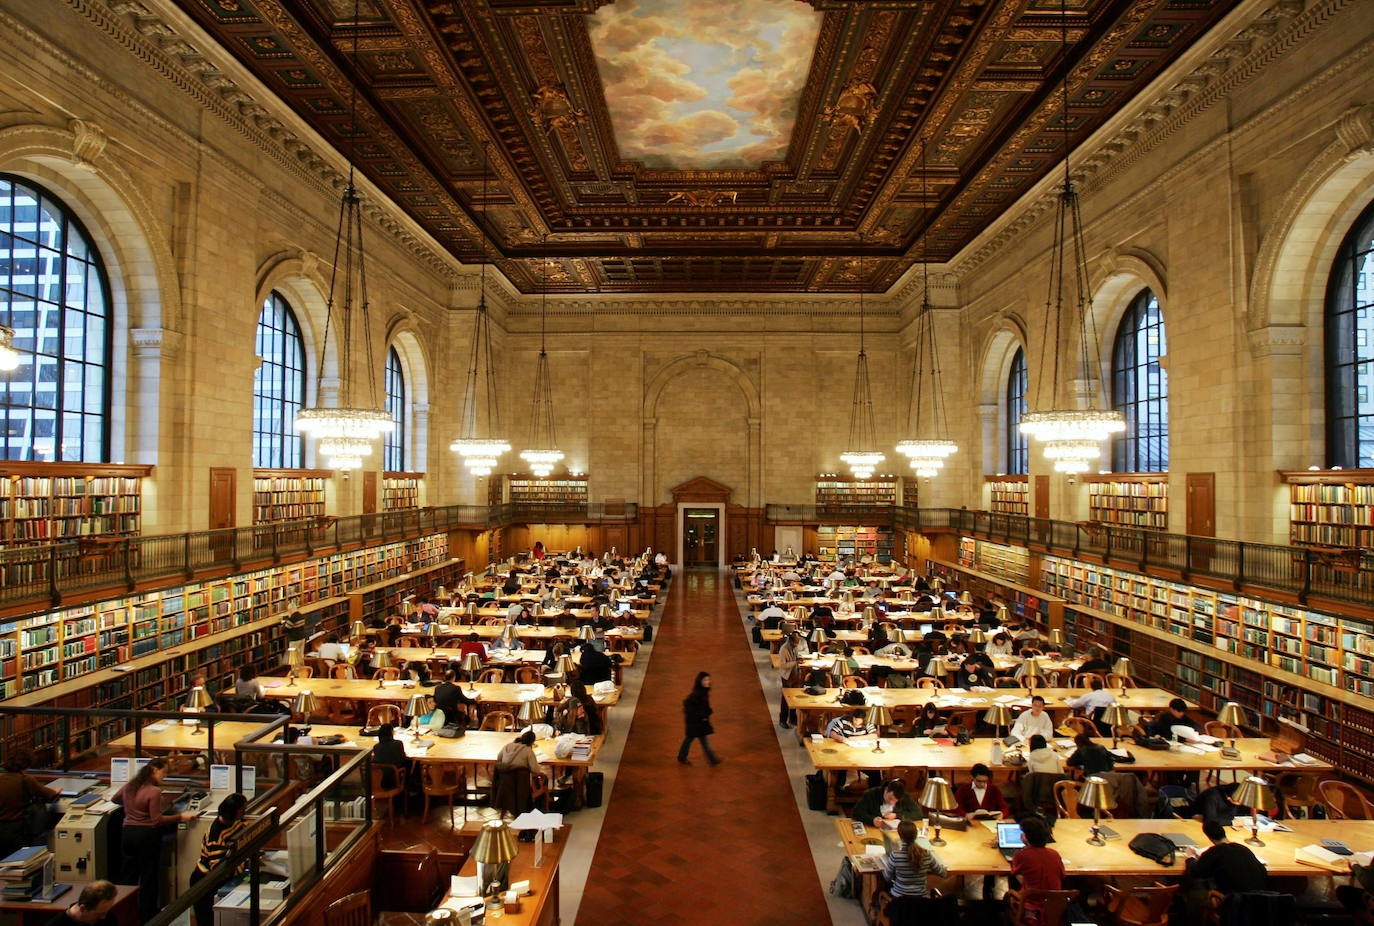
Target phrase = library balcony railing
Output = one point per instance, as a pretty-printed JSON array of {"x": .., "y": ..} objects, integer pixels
[
  {"x": 309, "y": 805},
  {"x": 1304, "y": 572},
  {"x": 52, "y": 572}
]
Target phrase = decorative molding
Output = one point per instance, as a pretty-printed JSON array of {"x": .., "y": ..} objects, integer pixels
[
  {"x": 1277, "y": 341},
  {"x": 88, "y": 140},
  {"x": 150, "y": 343}
]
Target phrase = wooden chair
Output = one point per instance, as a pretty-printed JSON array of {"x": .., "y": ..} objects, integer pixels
[
  {"x": 1299, "y": 791},
  {"x": 379, "y": 714},
  {"x": 342, "y": 711},
  {"x": 1344, "y": 801},
  {"x": 1117, "y": 681},
  {"x": 1080, "y": 725},
  {"x": 1221, "y": 730},
  {"x": 389, "y": 674},
  {"x": 344, "y": 671},
  {"x": 500, "y": 721},
  {"x": 1066, "y": 800},
  {"x": 1139, "y": 906},
  {"x": 860, "y": 651},
  {"x": 928, "y": 682},
  {"x": 492, "y": 676},
  {"x": 386, "y": 797},
  {"x": 526, "y": 675},
  {"x": 853, "y": 681},
  {"x": 1058, "y": 678},
  {"x": 305, "y": 672},
  {"x": 1003, "y": 681},
  {"x": 409, "y": 641},
  {"x": 441, "y": 780},
  {"x": 1045, "y": 908},
  {"x": 540, "y": 789},
  {"x": 320, "y": 666},
  {"x": 1086, "y": 680},
  {"x": 353, "y": 910}
]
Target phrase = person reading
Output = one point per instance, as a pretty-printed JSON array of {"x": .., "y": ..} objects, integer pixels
[{"x": 980, "y": 799}]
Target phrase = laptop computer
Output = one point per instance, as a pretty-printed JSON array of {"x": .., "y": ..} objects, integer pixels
[{"x": 1010, "y": 838}]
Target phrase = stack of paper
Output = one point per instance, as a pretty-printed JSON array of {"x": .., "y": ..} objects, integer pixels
[
  {"x": 582, "y": 750},
  {"x": 1321, "y": 857}
]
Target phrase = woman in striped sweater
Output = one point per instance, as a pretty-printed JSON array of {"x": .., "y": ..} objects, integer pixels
[
  {"x": 218, "y": 845},
  {"x": 907, "y": 868}
]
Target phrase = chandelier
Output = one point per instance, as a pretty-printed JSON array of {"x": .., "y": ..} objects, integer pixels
[
  {"x": 346, "y": 431},
  {"x": 9, "y": 357},
  {"x": 927, "y": 454},
  {"x": 542, "y": 435},
  {"x": 481, "y": 454},
  {"x": 1072, "y": 436},
  {"x": 862, "y": 457}
]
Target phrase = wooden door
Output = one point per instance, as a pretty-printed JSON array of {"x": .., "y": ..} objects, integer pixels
[
  {"x": 223, "y": 499},
  {"x": 700, "y": 536},
  {"x": 1201, "y": 517},
  {"x": 1042, "y": 496},
  {"x": 370, "y": 492}
]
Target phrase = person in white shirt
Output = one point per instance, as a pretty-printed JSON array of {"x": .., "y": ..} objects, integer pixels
[
  {"x": 999, "y": 645},
  {"x": 330, "y": 649},
  {"x": 514, "y": 611},
  {"x": 1092, "y": 703},
  {"x": 772, "y": 611},
  {"x": 1034, "y": 722},
  {"x": 660, "y": 559},
  {"x": 836, "y": 577},
  {"x": 1041, "y": 758},
  {"x": 894, "y": 650}
]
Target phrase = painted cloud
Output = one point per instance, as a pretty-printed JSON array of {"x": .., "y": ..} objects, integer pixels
[{"x": 704, "y": 84}]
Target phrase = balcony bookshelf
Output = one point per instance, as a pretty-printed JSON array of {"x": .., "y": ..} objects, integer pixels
[
  {"x": 1025, "y": 603},
  {"x": 996, "y": 558},
  {"x": 288, "y": 494},
  {"x": 554, "y": 491},
  {"x": 44, "y": 503},
  {"x": 1331, "y": 508},
  {"x": 1129, "y": 500},
  {"x": 836, "y": 542},
  {"x": 401, "y": 491},
  {"x": 1008, "y": 494},
  {"x": 834, "y": 491}
]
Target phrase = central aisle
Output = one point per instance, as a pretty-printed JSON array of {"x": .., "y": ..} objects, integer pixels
[{"x": 695, "y": 843}]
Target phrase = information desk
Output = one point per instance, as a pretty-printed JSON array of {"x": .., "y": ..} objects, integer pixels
[
  {"x": 922, "y": 752},
  {"x": 540, "y": 906}
]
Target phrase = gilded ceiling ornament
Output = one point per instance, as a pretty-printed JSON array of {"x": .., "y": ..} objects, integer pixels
[
  {"x": 702, "y": 198},
  {"x": 856, "y": 107},
  {"x": 553, "y": 110}
]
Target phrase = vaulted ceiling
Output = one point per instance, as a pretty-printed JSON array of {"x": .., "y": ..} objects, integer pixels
[{"x": 760, "y": 147}]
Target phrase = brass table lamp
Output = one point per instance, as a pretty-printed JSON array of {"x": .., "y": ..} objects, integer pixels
[
  {"x": 1234, "y": 715},
  {"x": 879, "y": 716},
  {"x": 1057, "y": 639},
  {"x": 417, "y": 706},
  {"x": 999, "y": 715},
  {"x": 1254, "y": 793},
  {"x": 493, "y": 851},
  {"x": 295, "y": 659},
  {"x": 359, "y": 630},
  {"x": 305, "y": 704},
  {"x": 938, "y": 797},
  {"x": 1097, "y": 794},
  {"x": 528, "y": 712},
  {"x": 977, "y": 636},
  {"x": 198, "y": 700},
  {"x": 1123, "y": 669},
  {"x": 1118, "y": 717}
]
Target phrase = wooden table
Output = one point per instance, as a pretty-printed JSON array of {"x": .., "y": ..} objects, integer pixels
[
  {"x": 511, "y": 659},
  {"x": 523, "y": 631},
  {"x": 922, "y": 752},
  {"x": 903, "y": 664},
  {"x": 540, "y": 907},
  {"x": 394, "y": 693}
]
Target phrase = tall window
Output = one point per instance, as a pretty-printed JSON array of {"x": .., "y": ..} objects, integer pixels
[
  {"x": 1140, "y": 389},
  {"x": 394, "y": 444},
  {"x": 53, "y": 293},
  {"x": 1350, "y": 350},
  {"x": 278, "y": 387},
  {"x": 1018, "y": 450}
]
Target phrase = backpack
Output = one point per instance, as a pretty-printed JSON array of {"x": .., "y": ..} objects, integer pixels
[
  {"x": 1174, "y": 801},
  {"x": 1154, "y": 847},
  {"x": 845, "y": 885},
  {"x": 853, "y": 697}
]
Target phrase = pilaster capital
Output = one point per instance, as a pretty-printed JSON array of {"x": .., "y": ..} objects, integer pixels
[{"x": 152, "y": 343}]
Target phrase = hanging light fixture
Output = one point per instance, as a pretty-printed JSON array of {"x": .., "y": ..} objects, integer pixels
[
  {"x": 9, "y": 357},
  {"x": 927, "y": 453},
  {"x": 543, "y": 453},
  {"x": 862, "y": 457},
  {"x": 1072, "y": 436},
  {"x": 481, "y": 454},
  {"x": 347, "y": 430}
]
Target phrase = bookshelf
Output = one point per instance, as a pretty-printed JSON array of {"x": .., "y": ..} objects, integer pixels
[
  {"x": 1278, "y": 661},
  {"x": 834, "y": 491},
  {"x": 1025, "y": 604},
  {"x": 49, "y": 502},
  {"x": 401, "y": 491},
  {"x": 836, "y": 542},
  {"x": 1331, "y": 508},
  {"x": 561, "y": 491},
  {"x": 995, "y": 558},
  {"x": 1008, "y": 494},
  {"x": 1130, "y": 500},
  {"x": 39, "y": 650},
  {"x": 288, "y": 494}
]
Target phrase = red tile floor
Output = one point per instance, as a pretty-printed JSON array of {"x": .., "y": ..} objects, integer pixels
[{"x": 696, "y": 843}]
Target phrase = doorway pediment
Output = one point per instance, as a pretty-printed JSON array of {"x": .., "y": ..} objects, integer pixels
[{"x": 701, "y": 489}]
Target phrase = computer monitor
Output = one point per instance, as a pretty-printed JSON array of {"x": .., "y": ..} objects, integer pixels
[
  {"x": 926, "y": 628},
  {"x": 624, "y": 606}
]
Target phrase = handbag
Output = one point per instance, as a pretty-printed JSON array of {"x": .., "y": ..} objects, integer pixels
[{"x": 1154, "y": 847}]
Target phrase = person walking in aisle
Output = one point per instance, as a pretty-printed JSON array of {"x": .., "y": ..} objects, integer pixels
[{"x": 696, "y": 712}]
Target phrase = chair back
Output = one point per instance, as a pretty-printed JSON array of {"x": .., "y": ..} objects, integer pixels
[
  {"x": 305, "y": 672},
  {"x": 1003, "y": 681},
  {"x": 353, "y": 910},
  {"x": 500, "y": 721},
  {"x": 409, "y": 640},
  {"x": 853, "y": 681},
  {"x": 492, "y": 676},
  {"x": 1066, "y": 799},
  {"x": 1043, "y": 908},
  {"x": 526, "y": 675},
  {"x": 1344, "y": 802},
  {"x": 928, "y": 682},
  {"x": 389, "y": 674},
  {"x": 441, "y": 778},
  {"x": 1085, "y": 680},
  {"x": 1081, "y": 725},
  {"x": 1119, "y": 681},
  {"x": 1221, "y": 730},
  {"x": 344, "y": 671},
  {"x": 1144, "y": 906},
  {"x": 379, "y": 714}
]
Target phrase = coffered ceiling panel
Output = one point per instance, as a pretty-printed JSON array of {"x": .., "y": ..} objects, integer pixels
[{"x": 723, "y": 146}]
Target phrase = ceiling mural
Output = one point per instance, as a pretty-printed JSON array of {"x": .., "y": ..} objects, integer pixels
[
  {"x": 703, "y": 85},
  {"x": 706, "y": 145}
]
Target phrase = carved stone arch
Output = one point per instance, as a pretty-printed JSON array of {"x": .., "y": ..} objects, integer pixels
[
  {"x": 1122, "y": 274},
  {"x": 1288, "y": 285},
  {"x": 298, "y": 275},
  {"x": 749, "y": 494},
  {"x": 145, "y": 294},
  {"x": 415, "y": 362},
  {"x": 1006, "y": 336}
]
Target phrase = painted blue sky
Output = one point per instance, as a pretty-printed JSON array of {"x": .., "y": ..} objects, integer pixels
[{"x": 704, "y": 84}]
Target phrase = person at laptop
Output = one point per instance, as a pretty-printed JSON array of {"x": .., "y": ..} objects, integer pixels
[
  {"x": 1175, "y": 715},
  {"x": 1035, "y": 721},
  {"x": 1094, "y": 702},
  {"x": 1035, "y": 864},
  {"x": 980, "y": 799},
  {"x": 330, "y": 649},
  {"x": 887, "y": 803}
]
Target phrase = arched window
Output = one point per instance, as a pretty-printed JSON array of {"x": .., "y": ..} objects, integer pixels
[
  {"x": 1350, "y": 350},
  {"x": 278, "y": 387},
  {"x": 1018, "y": 450},
  {"x": 53, "y": 293},
  {"x": 1140, "y": 389},
  {"x": 394, "y": 444}
]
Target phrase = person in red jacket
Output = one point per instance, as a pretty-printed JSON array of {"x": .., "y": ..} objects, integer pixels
[
  {"x": 473, "y": 644},
  {"x": 980, "y": 798}
]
